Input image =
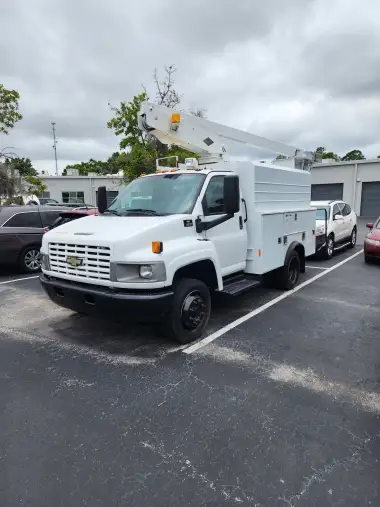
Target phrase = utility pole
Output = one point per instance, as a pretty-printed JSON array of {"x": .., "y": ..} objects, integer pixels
[{"x": 55, "y": 148}]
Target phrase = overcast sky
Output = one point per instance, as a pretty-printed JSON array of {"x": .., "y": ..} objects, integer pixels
[{"x": 306, "y": 72}]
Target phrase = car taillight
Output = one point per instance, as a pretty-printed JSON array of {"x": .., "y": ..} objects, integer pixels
[{"x": 46, "y": 229}]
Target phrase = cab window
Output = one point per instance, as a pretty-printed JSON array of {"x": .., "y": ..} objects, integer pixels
[{"x": 213, "y": 201}]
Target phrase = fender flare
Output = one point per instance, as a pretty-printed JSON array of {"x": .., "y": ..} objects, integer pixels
[{"x": 300, "y": 249}]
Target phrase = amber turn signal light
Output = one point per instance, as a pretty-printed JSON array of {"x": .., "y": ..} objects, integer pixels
[{"x": 157, "y": 247}]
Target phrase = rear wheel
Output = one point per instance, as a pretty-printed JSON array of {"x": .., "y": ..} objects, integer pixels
[
  {"x": 353, "y": 238},
  {"x": 286, "y": 277},
  {"x": 190, "y": 312},
  {"x": 30, "y": 259},
  {"x": 329, "y": 248}
]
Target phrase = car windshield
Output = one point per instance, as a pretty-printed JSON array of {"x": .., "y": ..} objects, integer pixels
[
  {"x": 321, "y": 213},
  {"x": 161, "y": 194},
  {"x": 377, "y": 225}
]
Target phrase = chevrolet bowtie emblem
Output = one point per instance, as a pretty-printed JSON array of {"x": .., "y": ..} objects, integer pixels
[{"x": 74, "y": 262}]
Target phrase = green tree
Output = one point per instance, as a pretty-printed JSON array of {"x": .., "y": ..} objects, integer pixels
[
  {"x": 321, "y": 151},
  {"x": 113, "y": 165},
  {"x": 353, "y": 155},
  {"x": 125, "y": 122},
  {"x": 9, "y": 113},
  {"x": 23, "y": 165},
  {"x": 33, "y": 185}
]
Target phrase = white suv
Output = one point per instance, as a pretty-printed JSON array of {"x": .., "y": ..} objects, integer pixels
[{"x": 335, "y": 226}]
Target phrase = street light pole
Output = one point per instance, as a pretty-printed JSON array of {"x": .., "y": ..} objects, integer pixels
[{"x": 55, "y": 148}]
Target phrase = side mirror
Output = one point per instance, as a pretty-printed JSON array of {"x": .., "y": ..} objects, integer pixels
[
  {"x": 231, "y": 194},
  {"x": 370, "y": 226},
  {"x": 338, "y": 217},
  {"x": 102, "y": 199}
]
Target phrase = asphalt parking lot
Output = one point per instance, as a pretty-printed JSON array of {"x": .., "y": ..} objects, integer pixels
[{"x": 278, "y": 409}]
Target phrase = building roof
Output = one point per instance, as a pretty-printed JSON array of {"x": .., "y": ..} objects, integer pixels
[{"x": 348, "y": 162}]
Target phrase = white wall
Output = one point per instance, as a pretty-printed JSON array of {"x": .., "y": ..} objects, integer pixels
[{"x": 58, "y": 184}]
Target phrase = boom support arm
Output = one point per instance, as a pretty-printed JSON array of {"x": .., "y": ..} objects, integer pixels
[{"x": 207, "y": 138}]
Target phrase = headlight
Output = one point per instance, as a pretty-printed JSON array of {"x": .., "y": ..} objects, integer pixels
[
  {"x": 372, "y": 242},
  {"x": 321, "y": 229},
  {"x": 146, "y": 271},
  {"x": 138, "y": 273}
]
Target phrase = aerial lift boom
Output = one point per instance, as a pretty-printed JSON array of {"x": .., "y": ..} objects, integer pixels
[{"x": 208, "y": 139}]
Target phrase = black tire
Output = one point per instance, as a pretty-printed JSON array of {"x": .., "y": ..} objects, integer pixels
[
  {"x": 329, "y": 248},
  {"x": 353, "y": 238},
  {"x": 367, "y": 259},
  {"x": 287, "y": 277},
  {"x": 30, "y": 259},
  {"x": 190, "y": 311}
]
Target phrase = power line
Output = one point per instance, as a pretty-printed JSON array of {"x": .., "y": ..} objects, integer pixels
[{"x": 55, "y": 148}]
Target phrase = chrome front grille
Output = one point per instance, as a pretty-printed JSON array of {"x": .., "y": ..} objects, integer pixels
[{"x": 92, "y": 261}]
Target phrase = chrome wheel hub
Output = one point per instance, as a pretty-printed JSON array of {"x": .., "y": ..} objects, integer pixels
[{"x": 33, "y": 259}]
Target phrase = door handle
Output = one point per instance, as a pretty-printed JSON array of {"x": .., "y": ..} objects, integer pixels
[
  {"x": 241, "y": 222},
  {"x": 246, "y": 212}
]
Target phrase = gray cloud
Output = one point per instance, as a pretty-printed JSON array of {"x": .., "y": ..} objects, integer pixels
[{"x": 301, "y": 71}]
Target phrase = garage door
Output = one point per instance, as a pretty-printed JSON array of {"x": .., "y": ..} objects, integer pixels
[
  {"x": 370, "y": 206},
  {"x": 327, "y": 192}
]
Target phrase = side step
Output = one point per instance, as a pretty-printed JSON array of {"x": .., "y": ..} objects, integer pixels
[
  {"x": 235, "y": 288},
  {"x": 340, "y": 247}
]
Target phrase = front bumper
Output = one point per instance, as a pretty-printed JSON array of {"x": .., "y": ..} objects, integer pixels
[
  {"x": 372, "y": 251},
  {"x": 138, "y": 305}
]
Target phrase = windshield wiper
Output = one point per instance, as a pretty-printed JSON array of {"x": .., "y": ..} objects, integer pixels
[
  {"x": 142, "y": 210},
  {"x": 114, "y": 212}
]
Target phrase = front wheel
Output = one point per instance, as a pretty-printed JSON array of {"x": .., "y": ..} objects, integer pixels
[
  {"x": 30, "y": 260},
  {"x": 353, "y": 238},
  {"x": 329, "y": 248},
  {"x": 190, "y": 311}
]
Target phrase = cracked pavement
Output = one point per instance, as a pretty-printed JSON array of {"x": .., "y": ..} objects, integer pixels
[{"x": 280, "y": 411}]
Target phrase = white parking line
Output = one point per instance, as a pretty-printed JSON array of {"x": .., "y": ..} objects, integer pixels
[
  {"x": 19, "y": 279},
  {"x": 315, "y": 267},
  {"x": 208, "y": 339}
]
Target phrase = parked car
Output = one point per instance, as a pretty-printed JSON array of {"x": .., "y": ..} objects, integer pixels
[
  {"x": 336, "y": 227},
  {"x": 68, "y": 216},
  {"x": 21, "y": 231},
  {"x": 372, "y": 242}
]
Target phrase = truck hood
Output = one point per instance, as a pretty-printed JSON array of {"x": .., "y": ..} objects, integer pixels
[{"x": 106, "y": 230}]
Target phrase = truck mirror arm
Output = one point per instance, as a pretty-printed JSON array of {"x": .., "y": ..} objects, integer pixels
[{"x": 206, "y": 226}]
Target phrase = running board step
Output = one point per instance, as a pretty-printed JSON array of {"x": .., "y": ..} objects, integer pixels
[
  {"x": 340, "y": 247},
  {"x": 240, "y": 286}
]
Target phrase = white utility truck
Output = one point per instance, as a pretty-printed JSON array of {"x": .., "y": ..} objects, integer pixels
[{"x": 172, "y": 238}]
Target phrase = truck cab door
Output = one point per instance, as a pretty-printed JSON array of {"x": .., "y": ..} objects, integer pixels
[{"x": 229, "y": 237}]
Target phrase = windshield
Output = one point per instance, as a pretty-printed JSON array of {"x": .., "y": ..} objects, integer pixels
[
  {"x": 321, "y": 213},
  {"x": 163, "y": 194},
  {"x": 377, "y": 225}
]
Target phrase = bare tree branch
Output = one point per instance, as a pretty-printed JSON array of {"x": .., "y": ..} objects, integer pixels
[{"x": 166, "y": 94}]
